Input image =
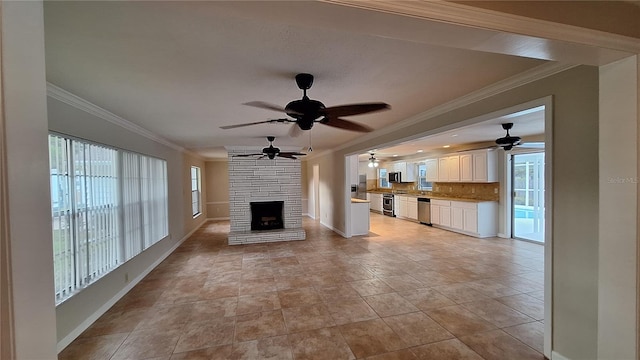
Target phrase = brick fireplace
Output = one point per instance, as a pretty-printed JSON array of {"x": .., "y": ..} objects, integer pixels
[{"x": 262, "y": 182}]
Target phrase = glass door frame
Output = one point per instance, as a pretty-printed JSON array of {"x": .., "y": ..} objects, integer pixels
[{"x": 512, "y": 191}]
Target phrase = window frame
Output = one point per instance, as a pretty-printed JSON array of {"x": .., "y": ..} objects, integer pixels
[{"x": 197, "y": 181}]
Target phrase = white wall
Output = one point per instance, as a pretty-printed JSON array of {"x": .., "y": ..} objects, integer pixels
[
  {"x": 618, "y": 142},
  {"x": 23, "y": 70}
]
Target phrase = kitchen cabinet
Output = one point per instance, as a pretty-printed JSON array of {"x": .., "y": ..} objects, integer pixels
[
  {"x": 407, "y": 169},
  {"x": 435, "y": 213},
  {"x": 453, "y": 165},
  {"x": 479, "y": 219},
  {"x": 359, "y": 217},
  {"x": 466, "y": 167},
  {"x": 485, "y": 167},
  {"x": 412, "y": 208},
  {"x": 443, "y": 169},
  {"x": 376, "y": 202},
  {"x": 432, "y": 170}
]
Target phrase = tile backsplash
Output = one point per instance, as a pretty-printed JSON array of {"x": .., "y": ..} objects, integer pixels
[{"x": 477, "y": 191}]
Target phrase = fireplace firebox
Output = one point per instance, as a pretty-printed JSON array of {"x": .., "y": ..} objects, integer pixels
[{"x": 266, "y": 215}]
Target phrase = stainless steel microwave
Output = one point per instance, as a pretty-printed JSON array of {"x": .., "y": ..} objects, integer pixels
[{"x": 395, "y": 177}]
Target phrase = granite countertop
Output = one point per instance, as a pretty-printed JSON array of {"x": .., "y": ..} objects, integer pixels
[
  {"x": 428, "y": 196},
  {"x": 356, "y": 201}
]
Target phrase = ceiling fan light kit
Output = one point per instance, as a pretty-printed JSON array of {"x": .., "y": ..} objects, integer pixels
[
  {"x": 508, "y": 142},
  {"x": 306, "y": 112},
  {"x": 373, "y": 162}
]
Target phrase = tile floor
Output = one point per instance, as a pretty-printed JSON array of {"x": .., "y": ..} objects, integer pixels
[{"x": 406, "y": 291}]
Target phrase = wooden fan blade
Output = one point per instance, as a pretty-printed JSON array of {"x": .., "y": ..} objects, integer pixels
[
  {"x": 246, "y": 155},
  {"x": 354, "y": 109},
  {"x": 345, "y": 124},
  {"x": 264, "y": 105},
  {"x": 287, "y": 155},
  {"x": 227, "y": 127},
  {"x": 295, "y": 131}
]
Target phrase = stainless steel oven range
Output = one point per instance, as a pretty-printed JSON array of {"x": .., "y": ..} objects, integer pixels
[{"x": 387, "y": 205}]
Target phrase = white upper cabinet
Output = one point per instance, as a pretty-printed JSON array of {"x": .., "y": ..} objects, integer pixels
[
  {"x": 432, "y": 170},
  {"x": 407, "y": 169},
  {"x": 473, "y": 166},
  {"x": 453, "y": 164},
  {"x": 466, "y": 167},
  {"x": 485, "y": 167}
]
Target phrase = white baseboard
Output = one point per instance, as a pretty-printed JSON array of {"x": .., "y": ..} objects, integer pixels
[
  {"x": 501, "y": 235},
  {"x": 218, "y": 218},
  {"x": 557, "y": 356},
  {"x": 333, "y": 229},
  {"x": 62, "y": 344}
]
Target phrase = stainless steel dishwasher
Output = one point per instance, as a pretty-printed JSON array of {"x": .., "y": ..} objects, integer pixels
[{"x": 424, "y": 211}]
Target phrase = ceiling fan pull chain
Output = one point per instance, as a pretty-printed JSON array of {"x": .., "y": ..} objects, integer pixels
[{"x": 310, "y": 148}]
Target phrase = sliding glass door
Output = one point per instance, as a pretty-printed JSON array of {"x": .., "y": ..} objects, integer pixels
[{"x": 528, "y": 196}]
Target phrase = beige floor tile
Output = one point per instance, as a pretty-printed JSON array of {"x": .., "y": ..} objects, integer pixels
[
  {"x": 308, "y": 317},
  {"x": 525, "y": 304},
  {"x": 299, "y": 297},
  {"x": 259, "y": 325},
  {"x": 147, "y": 344},
  {"x": 371, "y": 337},
  {"x": 370, "y": 287},
  {"x": 258, "y": 303},
  {"x": 459, "y": 321},
  {"x": 415, "y": 276},
  {"x": 500, "y": 346},
  {"x": 446, "y": 350},
  {"x": 404, "y": 354},
  {"x": 93, "y": 348},
  {"x": 497, "y": 313},
  {"x": 426, "y": 299},
  {"x": 417, "y": 328},
  {"x": 206, "y": 333},
  {"x": 320, "y": 344},
  {"x": 531, "y": 334},
  {"x": 350, "y": 310},
  {"x": 390, "y": 304},
  {"x": 223, "y": 352},
  {"x": 276, "y": 348}
]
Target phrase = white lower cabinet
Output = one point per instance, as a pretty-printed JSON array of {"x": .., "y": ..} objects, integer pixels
[
  {"x": 412, "y": 208},
  {"x": 479, "y": 219},
  {"x": 376, "y": 202}
]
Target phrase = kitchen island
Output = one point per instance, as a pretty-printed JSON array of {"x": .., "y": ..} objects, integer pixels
[{"x": 359, "y": 217}]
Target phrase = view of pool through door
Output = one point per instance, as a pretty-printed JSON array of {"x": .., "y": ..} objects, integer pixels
[{"x": 528, "y": 196}]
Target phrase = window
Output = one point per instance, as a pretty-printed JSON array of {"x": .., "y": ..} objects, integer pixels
[
  {"x": 196, "y": 206},
  {"x": 384, "y": 181},
  {"x": 423, "y": 184},
  {"x": 107, "y": 206}
]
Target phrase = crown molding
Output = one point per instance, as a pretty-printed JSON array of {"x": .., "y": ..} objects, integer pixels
[
  {"x": 469, "y": 16},
  {"x": 513, "y": 82},
  {"x": 62, "y": 95}
]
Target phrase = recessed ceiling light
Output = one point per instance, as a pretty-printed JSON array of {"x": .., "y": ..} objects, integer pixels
[
  {"x": 420, "y": 151},
  {"x": 446, "y": 146},
  {"x": 394, "y": 155},
  {"x": 454, "y": 135}
]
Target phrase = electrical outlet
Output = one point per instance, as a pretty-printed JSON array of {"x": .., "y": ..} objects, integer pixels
[
  {"x": 126, "y": 278},
  {"x": 450, "y": 189},
  {"x": 473, "y": 190},
  {"x": 495, "y": 191}
]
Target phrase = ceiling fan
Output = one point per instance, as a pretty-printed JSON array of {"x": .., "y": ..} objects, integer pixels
[
  {"x": 305, "y": 112},
  {"x": 508, "y": 142},
  {"x": 271, "y": 152}
]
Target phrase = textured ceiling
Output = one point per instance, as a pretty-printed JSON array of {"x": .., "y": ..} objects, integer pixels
[{"x": 183, "y": 69}]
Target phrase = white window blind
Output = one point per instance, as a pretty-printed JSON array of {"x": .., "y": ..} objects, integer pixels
[
  {"x": 107, "y": 206},
  {"x": 196, "y": 207}
]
